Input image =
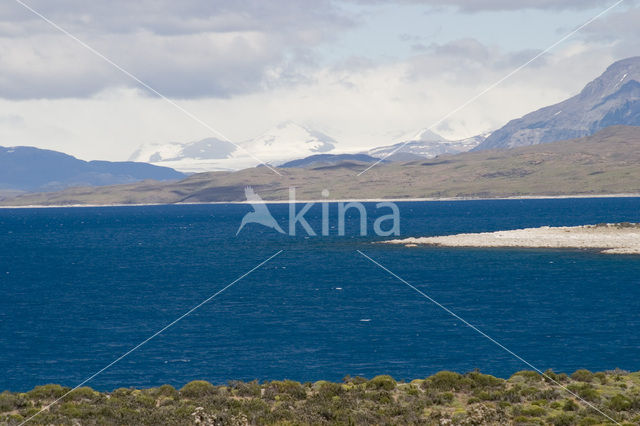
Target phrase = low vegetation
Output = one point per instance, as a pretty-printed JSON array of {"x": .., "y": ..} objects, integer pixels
[{"x": 446, "y": 398}]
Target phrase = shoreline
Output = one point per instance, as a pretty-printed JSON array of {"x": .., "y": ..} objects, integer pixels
[{"x": 346, "y": 200}]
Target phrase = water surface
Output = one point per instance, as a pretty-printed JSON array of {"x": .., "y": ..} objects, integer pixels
[{"x": 81, "y": 286}]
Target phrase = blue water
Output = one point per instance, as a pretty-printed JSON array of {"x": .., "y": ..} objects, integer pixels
[{"x": 81, "y": 286}]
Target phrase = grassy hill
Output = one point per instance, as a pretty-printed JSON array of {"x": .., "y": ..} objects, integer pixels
[
  {"x": 605, "y": 163},
  {"x": 446, "y": 398}
]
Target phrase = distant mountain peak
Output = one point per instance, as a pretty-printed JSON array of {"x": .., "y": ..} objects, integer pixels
[
  {"x": 611, "y": 99},
  {"x": 205, "y": 149},
  {"x": 422, "y": 135},
  {"x": 283, "y": 142},
  {"x": 289, "y": 139},
  {"x": 426, "y": 144}
]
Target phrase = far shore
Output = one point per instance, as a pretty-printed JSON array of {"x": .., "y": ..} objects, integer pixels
[
  {"x": 325, "y": 200},
  {"x": 611, "y": 238}
]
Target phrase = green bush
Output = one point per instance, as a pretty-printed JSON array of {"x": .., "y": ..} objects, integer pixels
[
  {"x": 563, "y": 419},
  {"x": 528, "y": 375},
  {"x": 328, "y": 390},
  {"x": 164, "y": 390},
  {"x": 447, "y": 397},
  {"x": 620, "y": 403},
  {"x": 197, "y": 389},
  {"x": 357, "y": 380},
  {"x": 84, "y": 393},
  {"x": 288, "y": 387},
  {"x": 582, "y": 376},
  {"x": 585, "y": 391},
  {"x": 251, "y": 389},
  {"x": 532, "y": 411},
  {"x": 8, "y": 401},
  {"x": 484, "y": 380},
  {"x": 49, "y": 391},
  {"x": 570, "y": 405},
  {"x": 446, "y": 381},
  {"x": 602, "y": 377},
  {"x": 382, "y": 382},
  {"x": 588, "y": 421}
]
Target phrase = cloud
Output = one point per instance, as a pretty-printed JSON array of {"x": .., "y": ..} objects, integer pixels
[
  {"x": 183, "y": 49},
  {"x": 620, "y": 28},
  {"x": 494, "y": 5},
  {"x": 199, "y": 48},
  {"x": 359, "y": 102}
]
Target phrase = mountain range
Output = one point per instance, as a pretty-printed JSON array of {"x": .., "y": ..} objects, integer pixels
[
  {"x": 285, "y": 142},
  {"x": 611, "y": 99},
  {"x": 32, "y": 169},
  {"x": 425, "y": 144},
  {"x": 289, "y": 142},
  {"x": 605, "y": 163}
]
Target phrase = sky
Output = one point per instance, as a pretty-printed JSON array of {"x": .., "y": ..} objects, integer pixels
[{"x": 364, "y": 72}]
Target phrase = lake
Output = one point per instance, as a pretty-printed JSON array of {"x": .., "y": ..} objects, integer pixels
[{"x": 82, "y": 286}]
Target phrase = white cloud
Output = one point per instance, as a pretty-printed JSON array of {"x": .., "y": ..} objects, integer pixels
[
  {"x": 360, "y": 104},
  {"x": 484, "y": 5},
  {"x": 183, "y": 49}
]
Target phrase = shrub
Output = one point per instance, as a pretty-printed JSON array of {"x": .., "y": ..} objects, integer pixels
[
  {"x": 447, "y": 380},
  {"x": 532, "y": 411},
  {"x": 510, "y": 395},
  {"x": 84, "y": 393},
  {"x": 289, "y": 387},
  {"x": 357, "y": 380},
  {"x": 328, "y": 390},
  {"x": 563, "y": 420},
  {"x": 582, "y": 376},
  {"x": 251, "y": 389},
  {"x": 528, "y": 375},
  {"x": 484, "y": 380},
  {"x": 382, "y": 382},
  {"x": 47, "y": 392},
  {"x": 197, "y": 389},
  {"x": 8, "y": 401},
  {"x": 570, "y": 405},
  {"x": 585, "y": 391},
  {"x": 620, "y": 403},
  {"x": 447, "y": 397},
  {"x": 122, "y": 392},
  {"x": 164, "y": 390},
  {"x": 529, "y": 391},
  {"x": 550, "y": 376}
]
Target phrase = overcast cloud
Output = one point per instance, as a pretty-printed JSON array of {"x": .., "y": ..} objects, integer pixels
[{"x": 483, "y": 5}]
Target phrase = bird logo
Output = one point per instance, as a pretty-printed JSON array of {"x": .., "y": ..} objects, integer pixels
[{"x": 260, "y": 213}]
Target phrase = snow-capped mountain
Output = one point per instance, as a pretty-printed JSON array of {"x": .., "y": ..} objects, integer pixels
[
  {"x": 192, "y": 157},
  {"x": 284, "y": 142},
  {"x": 289, "y": 140},
  {"x": 425, "y": 144}
]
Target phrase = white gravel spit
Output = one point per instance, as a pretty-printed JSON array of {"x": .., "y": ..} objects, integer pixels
[{"x": 608, "y": 238}]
